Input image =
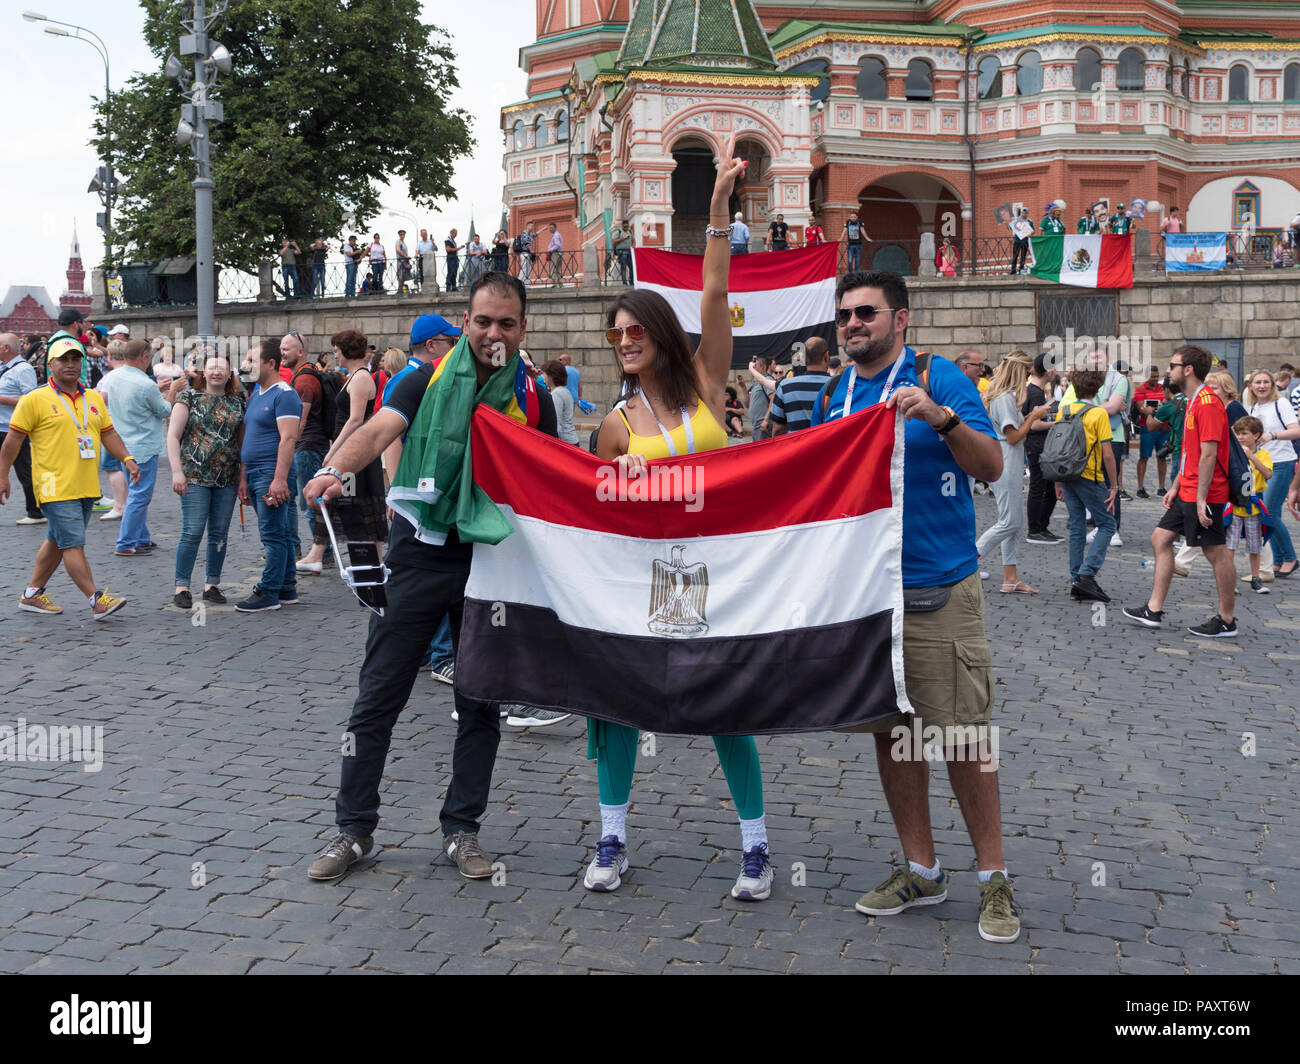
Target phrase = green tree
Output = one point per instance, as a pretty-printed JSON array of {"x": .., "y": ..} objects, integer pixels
[{"x": 326, "y": 100}]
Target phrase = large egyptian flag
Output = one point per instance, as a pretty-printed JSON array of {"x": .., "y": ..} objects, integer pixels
[
  {"x": 749, "y": 590},
  {"x": 776, "y": 298},
  {"x": 1097, "y": 261}
]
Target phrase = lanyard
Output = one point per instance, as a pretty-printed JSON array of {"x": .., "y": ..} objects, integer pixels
[
  {"x": 884, "y": 395},
  {"x": 71, "y": 408},
  {"x": 668, "y": 439}
]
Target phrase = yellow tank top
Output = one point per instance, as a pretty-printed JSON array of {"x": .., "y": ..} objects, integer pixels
[{"x": 709, "y": 435}]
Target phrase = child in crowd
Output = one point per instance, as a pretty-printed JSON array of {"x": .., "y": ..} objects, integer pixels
[
  {"x": 1089, "y": 493},
  {"x": 1248, "y": 526}
]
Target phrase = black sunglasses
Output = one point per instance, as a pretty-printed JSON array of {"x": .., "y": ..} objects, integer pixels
[{"x": 865, "y": 313}]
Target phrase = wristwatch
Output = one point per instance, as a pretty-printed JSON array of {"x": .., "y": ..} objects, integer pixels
[
  {"x": 952, "y": 422},
  {"x": 329, "y": 470}
]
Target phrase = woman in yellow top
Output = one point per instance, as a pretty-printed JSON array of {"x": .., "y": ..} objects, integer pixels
[{"x": 675, "y": 406}]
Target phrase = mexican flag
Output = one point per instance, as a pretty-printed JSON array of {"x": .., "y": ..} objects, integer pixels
[{"x": 1100, "y": 261}]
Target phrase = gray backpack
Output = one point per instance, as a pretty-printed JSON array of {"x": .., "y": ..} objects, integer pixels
[{"x": 1065, "y": 450}]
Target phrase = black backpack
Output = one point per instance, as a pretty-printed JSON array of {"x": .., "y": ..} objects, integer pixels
[
  {"x": 517, "y": 245},
  {"x": 330, "y": 386},
  {"x": 1241, "y": 474}
]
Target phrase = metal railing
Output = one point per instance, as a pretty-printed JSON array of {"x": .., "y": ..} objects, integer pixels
[{"x": 338, "y": 279}]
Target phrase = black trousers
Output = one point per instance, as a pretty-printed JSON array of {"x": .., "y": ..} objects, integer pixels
[
  {"x": 23, "y": 467},
  {"x": 1019, "y": 253},
  {"x": 397, "y": 642},
  {"x": 1042, "y": 496}
]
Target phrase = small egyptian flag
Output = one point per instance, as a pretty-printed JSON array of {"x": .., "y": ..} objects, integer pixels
[{"x": 776, "y": 298}]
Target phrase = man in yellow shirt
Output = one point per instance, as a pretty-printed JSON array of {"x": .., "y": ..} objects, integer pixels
[
  {"x": 66, "y": 424},
  {"x": 1088, "y": 493}
]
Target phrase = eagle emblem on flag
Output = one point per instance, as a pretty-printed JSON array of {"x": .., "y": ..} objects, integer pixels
[
  {"x": 737, "y": 316},
  {"x": 677, "y": 596}
]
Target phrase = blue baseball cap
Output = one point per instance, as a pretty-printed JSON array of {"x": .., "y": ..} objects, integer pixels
[{"x": 427, "y": 326}]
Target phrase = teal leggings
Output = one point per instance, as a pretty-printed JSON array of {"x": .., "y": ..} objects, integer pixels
[{"x": 614, "y": 748}]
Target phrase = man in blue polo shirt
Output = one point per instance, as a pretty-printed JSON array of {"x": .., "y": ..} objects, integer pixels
[
  {"x": 945, "y": 649},
  {"x": 271, "y": 423}
]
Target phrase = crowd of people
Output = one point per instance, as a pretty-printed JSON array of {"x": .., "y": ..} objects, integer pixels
[{"x": 364, "y": 433}]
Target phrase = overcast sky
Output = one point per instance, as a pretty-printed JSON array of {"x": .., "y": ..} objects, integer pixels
[{"x": 47, "y": 83}]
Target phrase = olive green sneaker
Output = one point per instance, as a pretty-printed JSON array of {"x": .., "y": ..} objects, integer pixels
[
  {"x": 999, "y": 913},
  {"x": 901, "y": 891}
]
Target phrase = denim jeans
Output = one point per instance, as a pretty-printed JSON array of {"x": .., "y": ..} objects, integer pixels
[
  {"x": 318, "y": 280},
  {"x": 440, "y": 650},
  {"x": 453, "y": 264},
  {"x": 135, "y": 517},
  {"x": 210, "y": 508},
  {"x": 350, "y": 280},
  {"x": 377, "y": 272},
  {"x": 855, "y": 256},
  {"x": 1275, "y": 503},
  {"x": 279, "y": 573},
  {"x": 625, "y": 265},
  {"x": 1084, "y": 496},
  {"x": 290, "y": 274},
  {"x": 305, "y": 463}
]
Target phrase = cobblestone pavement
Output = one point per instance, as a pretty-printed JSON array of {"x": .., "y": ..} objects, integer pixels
[{"x": 1140, "y": 837}]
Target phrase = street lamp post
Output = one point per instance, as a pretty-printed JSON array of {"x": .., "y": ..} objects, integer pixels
[
  {"x": 104, "y": 182},
  {"x": 210, "y": 59}
]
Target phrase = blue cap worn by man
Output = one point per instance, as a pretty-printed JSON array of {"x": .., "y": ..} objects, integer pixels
[{"x": 432, "y": 336}]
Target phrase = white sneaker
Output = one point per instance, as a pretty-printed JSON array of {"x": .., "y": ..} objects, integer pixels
[
  {"x": 112, "y": 515},
  {"x": 308, "y": 567},
  {"x": 755, "y": 880},
  {"x": 31, "y": 521},
  {"x": 607, "y": 867},
  {"x": 1115, "y": 541}
]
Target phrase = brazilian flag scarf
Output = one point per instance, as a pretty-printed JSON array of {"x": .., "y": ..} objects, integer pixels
[{"x": 434, "y": 487}]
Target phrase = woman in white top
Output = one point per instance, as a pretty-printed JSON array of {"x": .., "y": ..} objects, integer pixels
[
  {"x": 1281, "y": 426},
  {"x": 557, "y": 379},
  {"x": 1005, "y": 398}
]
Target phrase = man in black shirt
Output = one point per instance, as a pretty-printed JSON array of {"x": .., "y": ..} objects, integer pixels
[
  {"x": 426, "y": 582},
  {"x": 776, "y": 234},
  {"x": 1042, "y": 493}
]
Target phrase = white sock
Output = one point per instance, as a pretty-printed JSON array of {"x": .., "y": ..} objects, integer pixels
[
  {"x": 32, "y": 592},
  {"x": 613, "y": 821},
  {"x": 753, "y": 833},
  {"x": 987, "y": 874},
  {"x": 925, "y": 873}
]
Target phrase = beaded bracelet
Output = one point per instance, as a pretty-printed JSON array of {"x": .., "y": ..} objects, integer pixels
[{"x": 711, "y": 231}]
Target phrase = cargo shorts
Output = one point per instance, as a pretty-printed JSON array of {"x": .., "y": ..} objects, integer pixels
[{"x": 947, "y": 664}]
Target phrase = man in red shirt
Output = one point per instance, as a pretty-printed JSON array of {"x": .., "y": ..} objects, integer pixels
[
  {"x": 1195, "y": 502},
  {"x": 1149, "y": 395},
  {"x": 813, "y": 234}
]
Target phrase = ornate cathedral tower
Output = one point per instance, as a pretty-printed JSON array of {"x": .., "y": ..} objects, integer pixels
[{"x": 76, "y": 294}]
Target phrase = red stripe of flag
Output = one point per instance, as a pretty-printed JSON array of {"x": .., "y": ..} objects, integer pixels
[
  {"x": 1115, "y": 263},
  {"x": 835, "y": 471},
  {"x": 749, "y": 273}
]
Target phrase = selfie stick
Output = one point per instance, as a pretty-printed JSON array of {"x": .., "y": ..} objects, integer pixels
[{"x": 355, "y": 576}]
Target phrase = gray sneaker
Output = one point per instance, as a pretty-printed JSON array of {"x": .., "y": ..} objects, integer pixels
[
  {"x": 340, "y": 855},
  {"x": 530, "y": 717},
  {"x": 463, "y": 848},
  {"x": 605, "y": 872}
]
